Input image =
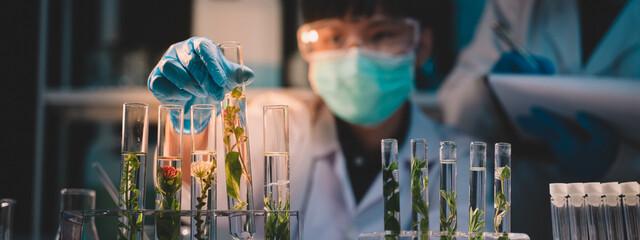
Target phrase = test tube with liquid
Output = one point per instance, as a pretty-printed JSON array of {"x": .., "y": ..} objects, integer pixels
[
  {"x": 613, "y": 210},
  {"x": 477, "y": 187},
  {"x": 596, "y": 225},
  {"x": 135, "y": 132},
  {"x": 448, "y": 196},
  {"x": 276, "y": 171},
  {"x": 390, "y": 186},
  {"x": 168, "y": 174},
  {"x": 203, "y": 169},
  {"x": 502, "y": 188},
  {"x": 577, "y": 211},
  {"x": 631, "y": 204},
  {"x": 420, "y": 187},
  {"x": 559, "y": 211}
]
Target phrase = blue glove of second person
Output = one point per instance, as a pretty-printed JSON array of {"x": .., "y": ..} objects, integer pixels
[
  {"x": 194, "y": 71},
  {"x": 586, "y": 150},
  {"x": 512, "y": 62}
]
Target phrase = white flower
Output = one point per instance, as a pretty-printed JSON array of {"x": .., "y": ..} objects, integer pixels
[{"x": 200, "y": 169}]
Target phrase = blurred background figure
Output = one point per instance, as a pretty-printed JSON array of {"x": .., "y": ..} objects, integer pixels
[{"x": 584, "y": 38}]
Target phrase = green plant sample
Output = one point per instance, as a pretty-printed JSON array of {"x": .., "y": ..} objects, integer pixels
[
  {"x": 476, "y": 226},
  {"x": 501, "y": 204},
  {"x": 277, "y": 225},
  {"x": 129, "y": 199},
  {"x": 205, "y": 173},
  {"x": 169, "y": 180},
  {"x": 392, "y": 200},
  {"x": 235, "y": 165},
  {"x": 449, "y": 225},
  {"x": 418, "y": 187}
]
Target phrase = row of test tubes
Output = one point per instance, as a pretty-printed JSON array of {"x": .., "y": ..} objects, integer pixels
[
  {"x": 447, "y": 192},
  {"x": 602, "y": 211}
]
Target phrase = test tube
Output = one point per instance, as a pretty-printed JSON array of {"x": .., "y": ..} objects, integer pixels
[
  {"x": 502, "y": 188},
  {"x": 276, "y": 171},
  {"x": 135, "y": 132},
  {"x": 577, "y": 211},
  {"x": 420, "y": 187},
  {"x": 448, "y": 196},
  {"x": 613, "y": 210},
  {"x": 596, "y": 225},
  {"x": 203, "y": 169},
  {"x": 6, "y": 218},
  {"x": 477, "y": 187},
  {"x": 559, "y": 211},
  {"x": 631, "y": 204},
  {"x": 390, "y": 185},
  {"x": 168, "y": 176}
]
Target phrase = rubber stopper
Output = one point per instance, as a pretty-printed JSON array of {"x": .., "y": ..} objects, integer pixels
[
  {"x": 558, "y": 189},
  {"x": 575, "y": 189},
  {"x": 593, "y": 188},
  {"x": 630, "y": 188},
  {"x": 611, "y": 188}
]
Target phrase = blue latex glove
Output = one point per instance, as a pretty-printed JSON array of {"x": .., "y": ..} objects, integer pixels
[
  {"x": 512, "y": 62},
  {"x": 585, "y": 150},
  {"x": 194, "y": 71}
]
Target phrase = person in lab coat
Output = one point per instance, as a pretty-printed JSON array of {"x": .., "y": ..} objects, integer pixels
[
  {"x": 566, "y": 37},
  {"x": 362, "y": 57}
]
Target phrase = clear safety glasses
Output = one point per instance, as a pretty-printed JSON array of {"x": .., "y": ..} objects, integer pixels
[{"x": 393, "y": 36}]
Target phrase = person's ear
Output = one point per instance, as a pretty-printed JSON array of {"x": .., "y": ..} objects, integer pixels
[{"x": 424, "y": 46}]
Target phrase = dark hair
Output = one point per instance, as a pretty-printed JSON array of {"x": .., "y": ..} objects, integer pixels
[{"x": 313, "y": 10}]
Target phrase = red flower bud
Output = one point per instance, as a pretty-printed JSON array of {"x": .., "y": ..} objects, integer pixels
[{"x": 169, "y": 172}]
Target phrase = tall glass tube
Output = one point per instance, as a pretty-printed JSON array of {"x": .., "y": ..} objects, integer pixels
[
  {"x": 420, "y": 187},
  {"x": 276, "y": 171},
  {"x": 390, "y": 185},
  {"x": 203, "y": 169},
  {"x": 631, "y": 204},
  {"x": 596, "y": 225},
  {"x": 135, "y": 132},
  {"x": 237, "y": 160},
  {"x": 6, "y": 218},
  {"x": 502, "y": 188},
  {"x": 559, "y": 211},
  {"x": 577, "y": 211},
  {"x": 477, "y": 189},
  {"x": 613, "y": 210},
  {"x": 168, "y": 176},
  {"x": 448, "y": 196}
]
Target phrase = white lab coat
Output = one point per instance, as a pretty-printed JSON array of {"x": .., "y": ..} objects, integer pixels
[
  {"x": 548, "y": 28},
  {"x": 320, "y": 186}
]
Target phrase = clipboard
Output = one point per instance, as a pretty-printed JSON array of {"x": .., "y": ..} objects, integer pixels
[{"x": 615, "y": 100}]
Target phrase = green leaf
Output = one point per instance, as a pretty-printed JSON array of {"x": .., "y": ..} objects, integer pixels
[
  {"x": 236, "y": 93},
  {"x": 500, "y": 199},
  {"x": 505, "y": 174},
  {"x": 389, "y": 188},
  {"x": 233, "y": 171}
]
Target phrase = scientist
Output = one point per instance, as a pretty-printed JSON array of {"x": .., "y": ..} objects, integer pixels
[
  {"x": 362, "y": 59},
  {"x": 567, "y": 37}
]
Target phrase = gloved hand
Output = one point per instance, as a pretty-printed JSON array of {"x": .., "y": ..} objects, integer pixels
[
  {"x": 194, "y": 71},
  {"x": 585, "y": 150},
  {"x": 512, "y": 62}
]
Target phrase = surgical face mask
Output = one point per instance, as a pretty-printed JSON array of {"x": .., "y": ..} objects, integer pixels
[{"x": 360, "y": 87}]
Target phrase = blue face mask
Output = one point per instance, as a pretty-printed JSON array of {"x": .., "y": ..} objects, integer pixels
[{"x": 362, "y": 88}]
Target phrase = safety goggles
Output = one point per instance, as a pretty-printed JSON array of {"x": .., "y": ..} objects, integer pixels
[{"x": 392, "y": 36}]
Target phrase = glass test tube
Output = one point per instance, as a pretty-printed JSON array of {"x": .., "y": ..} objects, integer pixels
[
  {"x": 276, "y": 171},
  {"x": 559, "y": 211},
  {"x": 612, "y": 210},
  {"x": 577, "y": 211},
  {"x": 203, "y": 169},
  {"x": 596, "y": 225},
  {"x": 391, "y": 187},
  {"x": 236, "y": 150},
  {"x": 631, "y": 204},
  {"x": 135, "y": 132},
  {"x": 420, "y": 187},
  {"x": 448, "y": 196},
  {"x": 477, "y": 189},
  {"x": 6, "y": 218},
  {"x": 502, "y": 188},
  {"x": 168, "y": 176},
  {"x": 79, "y": 199}
]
